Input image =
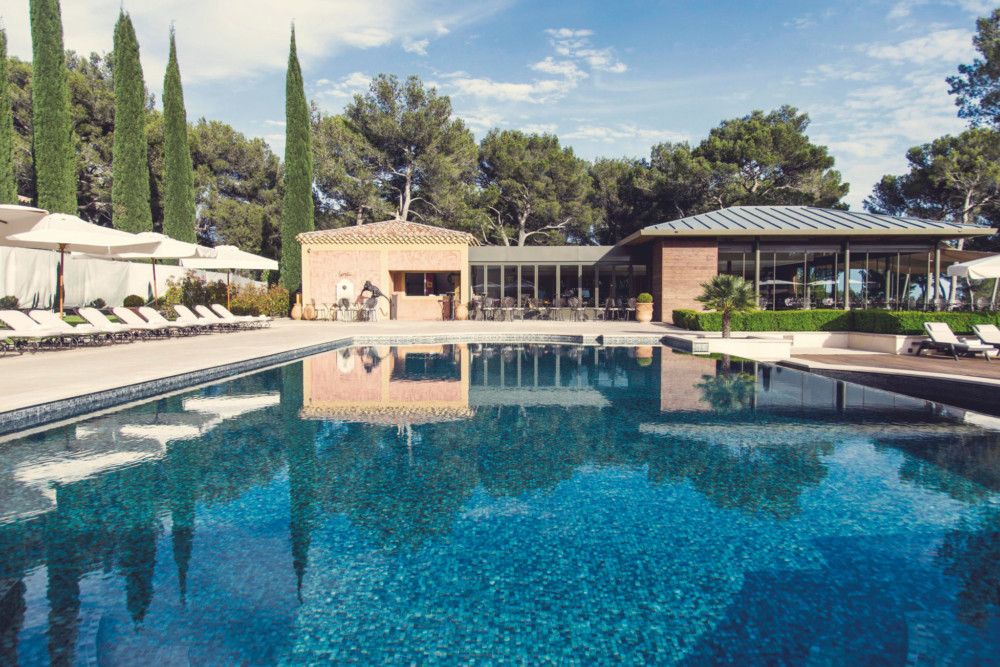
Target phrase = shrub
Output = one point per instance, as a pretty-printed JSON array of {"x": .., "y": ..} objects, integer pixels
[
  {"x": 194, "y": 290},
  {"x": 133, "y": 301},
  {"x": 867, "y": 321},
  {"x": 645, "y": 297},
  {"x": 98, "y": 304},
  {"x": 253, "y": 300},
  {"x": 8, "y": 303}
]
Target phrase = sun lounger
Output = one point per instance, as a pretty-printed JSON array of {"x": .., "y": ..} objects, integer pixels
[
  {"x": 206, "y": 313},
  {"x": 255, "y": 320},
  {"x": 989, "y": 334},
  {"x": 118, "y": 332},
  {"x": 945, "y": 340},
  {"x": 80, "y": 332},
  {"x": 129, "y": 318},
  {"x": 184, "y": 314},
  {"x": 153, "y": 317},
  {"x": 27, "y": 334}
]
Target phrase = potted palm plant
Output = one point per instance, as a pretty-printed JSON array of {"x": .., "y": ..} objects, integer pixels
[
  {"x": 727, "y": 295},
  {"x": 644, "y": 307}
]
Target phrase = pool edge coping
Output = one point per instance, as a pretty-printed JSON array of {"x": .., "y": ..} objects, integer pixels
[{"x": 62, "y": 409}]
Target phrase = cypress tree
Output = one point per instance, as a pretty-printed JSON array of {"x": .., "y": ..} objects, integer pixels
[
  {"x": 130, "y": 209},
  {"x": 297, "y": 205},
  {"x": 178, "y": 169},
  {"x": 52, "y": 142},
  {"x": 8, "y": 179}
]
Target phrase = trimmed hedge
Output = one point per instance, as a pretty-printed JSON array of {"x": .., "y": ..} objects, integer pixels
[{"x": 866, "y": 321}]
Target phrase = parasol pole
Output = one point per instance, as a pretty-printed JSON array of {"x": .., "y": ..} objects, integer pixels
[
  {"x": 59, "y": 282},
  {"x": 228, "y": 271},
  {"x": 993, "y": 299},
  {"x": 156, "y": 297}
]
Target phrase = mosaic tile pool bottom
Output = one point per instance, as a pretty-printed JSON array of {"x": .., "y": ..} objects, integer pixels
[{"x": 506, "y": 504}]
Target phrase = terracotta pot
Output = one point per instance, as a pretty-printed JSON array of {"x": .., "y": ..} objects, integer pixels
[
  {"x": 461, "y": 312},
  {"x": 643, "y": 312},
  {"x": 309, "y": 312},
  {"x": 296, "y": 313},
  {"x": 644, "y": 352}
]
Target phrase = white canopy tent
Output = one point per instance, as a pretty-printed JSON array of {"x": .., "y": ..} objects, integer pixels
[
  {"x": 68, "y": 233},
  {"x": 983, "y": 268}
]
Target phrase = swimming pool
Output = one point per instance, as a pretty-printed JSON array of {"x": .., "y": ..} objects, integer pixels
[{"x": 506, "y": 503}]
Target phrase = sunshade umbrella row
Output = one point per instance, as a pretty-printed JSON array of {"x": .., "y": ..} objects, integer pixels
[{"x": 27, "y": 227}]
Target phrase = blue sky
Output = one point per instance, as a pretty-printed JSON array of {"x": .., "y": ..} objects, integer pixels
[{"x": 609, "y": 78}]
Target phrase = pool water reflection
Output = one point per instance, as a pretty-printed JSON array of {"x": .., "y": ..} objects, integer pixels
[{"x": 506, "y": 503}]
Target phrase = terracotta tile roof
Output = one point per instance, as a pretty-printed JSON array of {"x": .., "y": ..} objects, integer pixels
[{"x": 390, "y": 231}]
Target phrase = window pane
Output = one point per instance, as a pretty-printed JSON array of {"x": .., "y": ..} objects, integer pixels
[
  {"x": 568, "y": 281},
  {"x": 546, "y": 283},
  {"x": 493, "y": 282}
]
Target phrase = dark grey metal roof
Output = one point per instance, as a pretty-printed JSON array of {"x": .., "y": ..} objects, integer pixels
[{"x": 803, "y": 221}]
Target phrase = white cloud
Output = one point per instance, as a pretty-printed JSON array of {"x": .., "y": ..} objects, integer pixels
[
  {"x": 566, "y": 68},
  {"x": 482, "y": 120},
  {"x": 539, "y": 128},
  {"x": 576, "y": 44},
  {"x": 417, "y": 46},
  {"x": 276, "y": 123},
  {"x": 801, "y": 23},
  {"x": 626, "y": 131},
  {"x": 344, "y": 88},
  {"x": 214, "y": 42},
  {"x": 537, "y": 92},
  {"x": 953, "y": 45}
]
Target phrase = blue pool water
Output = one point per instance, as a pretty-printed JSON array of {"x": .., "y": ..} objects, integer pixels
[{"x": 506, "y": 504}]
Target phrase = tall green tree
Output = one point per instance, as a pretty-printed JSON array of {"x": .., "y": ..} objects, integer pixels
[
  {"x": 8, "y": 177},
  {"x": 977, "y": 86},
  {"x": 238, "y": 181},
  {"x": 955, "y": 178},
  {"x": 682, "y": 182},
  {"x": 53, "y": 144},
  {"x": 346, "y": 169},
  {"x": 426, "y": 155},
  {"x": 621, "y": 196},
  {"x": 178, "y": 168},
  {"x": 130, "y": 180},
  {"x": 297, "y": 207},
  {"x": 540, "y": 189},
  {"x": 767, "y": 159}
]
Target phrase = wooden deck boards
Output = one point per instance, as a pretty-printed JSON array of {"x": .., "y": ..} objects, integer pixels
[{"x": 926, "y": 363}]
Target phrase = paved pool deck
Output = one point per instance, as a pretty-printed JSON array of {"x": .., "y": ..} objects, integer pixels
[{"x": 53, "y": 375}]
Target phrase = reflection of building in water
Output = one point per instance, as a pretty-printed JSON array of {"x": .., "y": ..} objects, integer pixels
[{"x": 392, "y": 386}]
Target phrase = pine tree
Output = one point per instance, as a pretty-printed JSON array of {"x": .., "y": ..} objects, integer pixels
[
  {"x": 178, "y": 169},
  {"x": 53, "y": 146},
  {"x": 297, "y": 206},
  {"x": 8, "y": 179},
  {"x": 130, "y": 161}
]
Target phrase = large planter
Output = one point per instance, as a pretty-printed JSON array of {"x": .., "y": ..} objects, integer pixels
[
  {"x": 643, "y": 312},
  {"x": 461, "y": 312},
  {"x": 309, "y": 312},
  {"x": 296, "y": 313}
]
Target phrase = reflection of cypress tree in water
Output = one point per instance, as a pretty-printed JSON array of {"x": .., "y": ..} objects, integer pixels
[
  {"x": 63, "y": 562},
  {"x": 299, "y": 437},
  {"x": 12, "y": 608},
  {"x": 138, "y": 542},
  {"x": 972, "y": 555},
  {"x": 182, "y": 469}
]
